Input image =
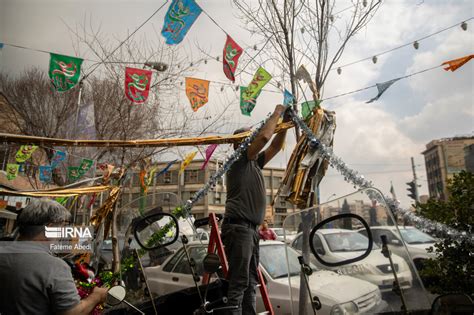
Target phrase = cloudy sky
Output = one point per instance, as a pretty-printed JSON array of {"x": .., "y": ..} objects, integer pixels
[{"x": 377, "y": 139}]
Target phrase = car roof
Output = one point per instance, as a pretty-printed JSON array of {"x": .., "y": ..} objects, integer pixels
[
  {"x": 334, "y": 231},
  {"x": 388, "y": 227},
  {"x": 262, "y": 243}
]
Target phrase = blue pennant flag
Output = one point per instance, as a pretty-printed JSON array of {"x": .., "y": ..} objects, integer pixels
[
  {"x": 287, "y": 98},
  {"x": 1, "y": 45},
  {"x": 179, "y": 19},
  {"x": 167, "y": 167},
  {"x": 382, "y": 87}
]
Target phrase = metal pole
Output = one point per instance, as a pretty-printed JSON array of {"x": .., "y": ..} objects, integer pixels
[{"x": 417, "y": 198}]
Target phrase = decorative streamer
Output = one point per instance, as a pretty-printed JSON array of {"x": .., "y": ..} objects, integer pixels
[
  {"x": 150, "y": 176},
  {"x": 179, "y": 19},
  {"x": 137, "y": 84},
  {"x": 64, "y": 71},
  {"x": 186, "y": 161},
  {"x": 1, "y": 45},
  {"x": 12, "y": 171},
  {"x": 167, "y": 167},
  {"x": 288, "y": 98},
  {"x": 247, "y": 106},
  {"x": 142, "y": 181},
  {"x": 197, "y": 91},
  {"x": 58, "y": 157},
  {"x": 454, "y": 64},
  {"x": 209, "y": 151},
  {"x": 45, "y": 173},
  {"x": 85, "y": 166},
  {"x": 25, "y": 152},
  {"x": 232, "y": 52},
  {"x": 382, "y": 87},
  {"x": 260, "y": 79},
  {"x": 359, "y": 181}
]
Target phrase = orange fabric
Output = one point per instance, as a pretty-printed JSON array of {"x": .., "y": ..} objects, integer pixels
[
  {"x": 454, "y": 64},
  {"x": 197, "y": 91},
  {"x": 142, "y": 180}
]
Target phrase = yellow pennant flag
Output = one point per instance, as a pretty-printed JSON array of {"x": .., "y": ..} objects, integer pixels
[
  {"x": 186, "y": 161},
  {"x": 197, "y": 91}
]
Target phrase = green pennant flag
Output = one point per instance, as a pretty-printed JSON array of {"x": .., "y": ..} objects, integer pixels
[
  {"x": 85, "y": 166},
  {"x": 25, "y": 152},
  {"x": 64, "y": 71},
  {"x": 246, "y": 106},
  {"x": 12, "y": 171},
  {"x": 307, "y": 108},
  {"x": 73, "y": 173},
  {"x": 260, "y": 78}
]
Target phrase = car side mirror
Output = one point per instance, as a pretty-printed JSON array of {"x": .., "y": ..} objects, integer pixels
[
  {"x": 116, "y": 295},
  {"x": 156, "y": 230}
]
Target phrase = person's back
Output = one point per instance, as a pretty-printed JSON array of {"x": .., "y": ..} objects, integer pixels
[{"x": 38, "y": 277}]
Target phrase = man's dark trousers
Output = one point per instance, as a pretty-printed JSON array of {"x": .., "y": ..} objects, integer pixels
[{"x": 242, "y": 251}]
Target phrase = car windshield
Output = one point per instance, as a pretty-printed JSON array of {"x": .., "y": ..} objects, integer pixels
[
  {"x": 277, "y": 268},
  {"x": 346, "y": 241},
  {"x": 414, "y": 236}
]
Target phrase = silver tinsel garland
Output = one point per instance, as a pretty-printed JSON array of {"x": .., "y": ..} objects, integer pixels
[
  {"x": 360, "y": 182},
  {"x": 221, "y": 171}
]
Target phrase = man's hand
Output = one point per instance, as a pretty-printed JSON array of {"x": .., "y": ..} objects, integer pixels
[
  {"x": 279, "y": 109},
  {"x": 100, "y": 294},
  {"x": 87, "y": 305}
]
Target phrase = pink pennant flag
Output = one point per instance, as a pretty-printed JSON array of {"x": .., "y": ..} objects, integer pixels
[{"x": 209, "y": 150}]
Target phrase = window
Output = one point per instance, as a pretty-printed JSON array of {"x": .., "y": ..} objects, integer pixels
[
  {"x": 170, "y": 265},
  {"x": 135, "y": 179},
  {"x": 276, "y": 181},
  {"x": 280, "y": 210},
  {"x": 269, "y": 199},
  {"x": 282, "y": 201},
  {"x": 193, "y": 176},
  {"x": 195, "y": 253},
  {"x": 267, "y": 181}
]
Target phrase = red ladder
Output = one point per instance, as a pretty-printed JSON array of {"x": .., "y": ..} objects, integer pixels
[{"x": 215, "y": 241}]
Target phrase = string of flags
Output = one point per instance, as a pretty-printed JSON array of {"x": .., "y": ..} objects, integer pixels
[{"x": 64, "y": 71}]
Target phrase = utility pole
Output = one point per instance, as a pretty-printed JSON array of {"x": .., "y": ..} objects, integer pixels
[{"x": 417, "y": 196}]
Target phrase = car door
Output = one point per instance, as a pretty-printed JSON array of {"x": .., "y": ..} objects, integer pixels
[{"x": 179, "y": 276}]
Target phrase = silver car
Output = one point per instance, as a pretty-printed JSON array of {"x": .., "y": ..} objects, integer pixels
[{"x": 358, "y": 296}]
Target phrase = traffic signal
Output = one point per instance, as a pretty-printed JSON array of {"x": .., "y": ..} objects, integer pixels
[{"x": 412, "y": 190}]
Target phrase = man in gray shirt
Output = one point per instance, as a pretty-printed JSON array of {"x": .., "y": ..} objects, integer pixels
[
  {"x": 33, "y": 281},
  {"x": 244, "y": 211}
]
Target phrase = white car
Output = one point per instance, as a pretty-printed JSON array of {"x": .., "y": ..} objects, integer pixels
[
  {"x": 358, "y": 297},
  {"x": 282, "y": 234},
  {"x": 335, "y": 245},
  {"x": 415, "y": 240}
]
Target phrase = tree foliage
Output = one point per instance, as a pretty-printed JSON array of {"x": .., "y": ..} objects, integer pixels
[{"x": 453, "y": 268}]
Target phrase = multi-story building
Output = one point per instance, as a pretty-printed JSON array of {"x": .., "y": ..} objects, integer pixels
[
  {"x": 170, "y": 186},
  {"x": 444, "y": 158}
]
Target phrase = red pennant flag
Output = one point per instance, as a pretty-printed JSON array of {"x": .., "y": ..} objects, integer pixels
[
  {"x": 137, "y": 84},
  {"x": 232, "y": 52},
  {"x": 454, "y": 64},
  {"x": 209, "y": 150}
]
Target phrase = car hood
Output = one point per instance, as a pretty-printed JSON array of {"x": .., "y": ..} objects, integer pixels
[
  {"x": 375, "y": 258},
  {"x": 328, "y": 284}
]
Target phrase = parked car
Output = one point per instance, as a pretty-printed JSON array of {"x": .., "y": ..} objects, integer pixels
[
  {"x": 415, "y": 240},
  {"x": 281, "y": 234},
  {"x": 358, "y": 296},
  {"x": 335, "y": 245}
]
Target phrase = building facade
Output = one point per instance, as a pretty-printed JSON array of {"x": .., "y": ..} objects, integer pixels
[
  {"x": 444, "y": 158},
  {"x": 171, "y": 188}
]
